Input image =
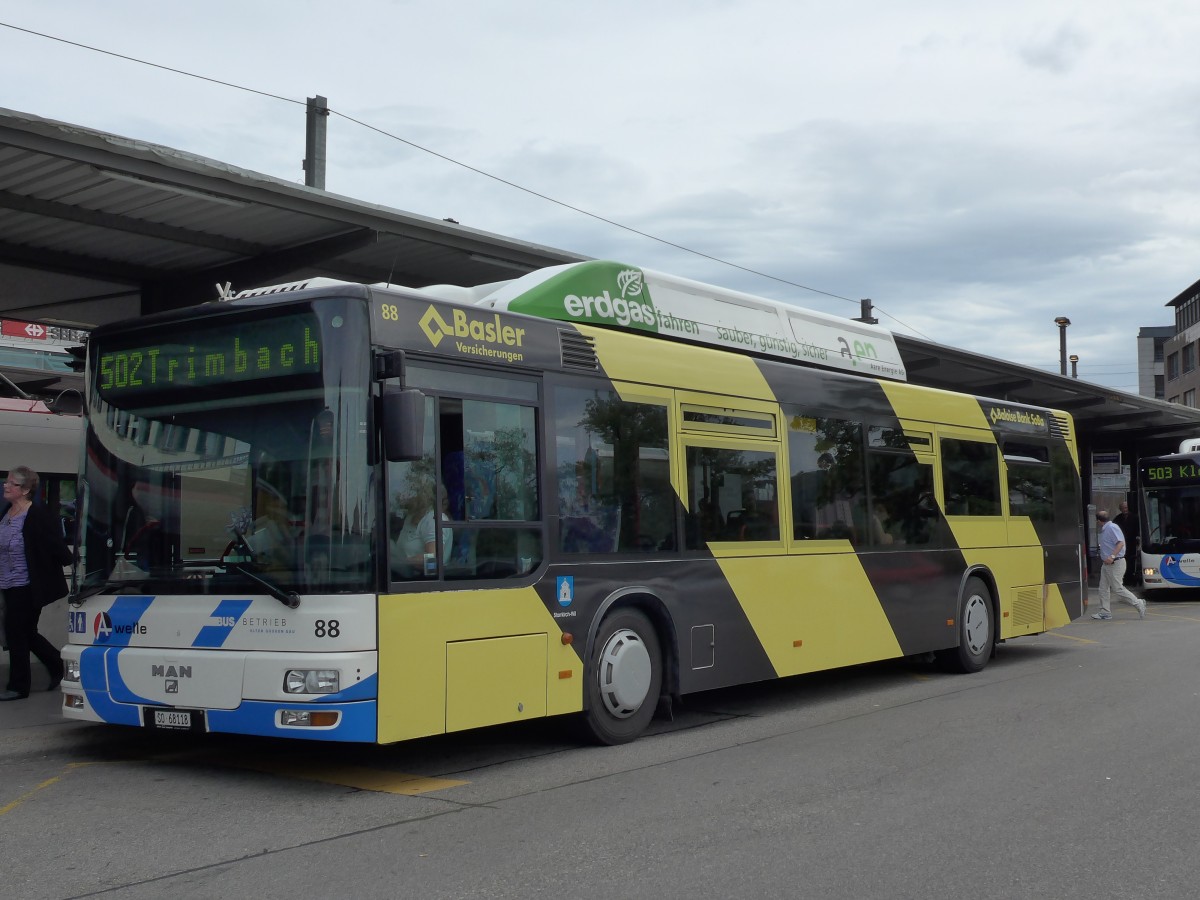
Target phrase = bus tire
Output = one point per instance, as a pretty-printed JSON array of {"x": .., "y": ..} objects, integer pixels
[
  {"x": 623, "y": 678},
  {"x": 976, "y": 630}
]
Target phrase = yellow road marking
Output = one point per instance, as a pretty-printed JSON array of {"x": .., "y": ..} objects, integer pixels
[
  {"x": 45, "y": 784},
  {"x": 9, "y": 807},
  {"x": 1070, "y": 637},
  {"x": 361, "y": 777},
  {"x": 355, "y": 776}
]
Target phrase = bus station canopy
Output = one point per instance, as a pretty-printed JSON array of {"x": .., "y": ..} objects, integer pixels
[{"x": 95, "y": 227}]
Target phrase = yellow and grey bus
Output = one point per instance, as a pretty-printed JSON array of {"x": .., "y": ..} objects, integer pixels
[{"x": 367, "y": 513}]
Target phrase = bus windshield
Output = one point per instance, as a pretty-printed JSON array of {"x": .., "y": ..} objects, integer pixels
[
  {"x": 231, "y": 455},
  {"x": 1172, "y": 519}
]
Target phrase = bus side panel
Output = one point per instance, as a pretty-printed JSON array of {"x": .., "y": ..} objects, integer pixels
[
  {"x": 811, "y": 612},
  {"x": 1039, "y": 557},
  {"x": 448, "y": 650}
]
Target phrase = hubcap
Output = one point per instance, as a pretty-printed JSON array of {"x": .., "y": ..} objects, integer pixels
[
  {"x": 624, "y": 673},
  {"x": 976, "y": 632}
]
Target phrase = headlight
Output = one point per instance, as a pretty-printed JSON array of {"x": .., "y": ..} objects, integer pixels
[
  {"x": 70, "y": 670},
  {"x": 312, "y": 681}
]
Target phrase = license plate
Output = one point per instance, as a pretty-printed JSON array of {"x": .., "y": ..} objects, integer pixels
[{"x": 175, "y": 719}]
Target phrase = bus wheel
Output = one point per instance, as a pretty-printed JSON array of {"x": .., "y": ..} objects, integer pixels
[
  {"x": 975, "y": 638},
  {"x": 623, "y": 679}
]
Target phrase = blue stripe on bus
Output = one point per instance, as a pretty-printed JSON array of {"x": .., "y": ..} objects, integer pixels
[
  {"x": 91, "y": 669},
  {"x": 213, "y": 636},
  {"x": 112, "y": 712},
  {"x": 255, "y": 717},
  {"x": 117, "y": 688},
  {"x": 100, "y": 675},
  {"x": 1172, "y": 572}
]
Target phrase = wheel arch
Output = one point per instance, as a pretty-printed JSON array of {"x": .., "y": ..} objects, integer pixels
[{"x": 643, "y": 599}]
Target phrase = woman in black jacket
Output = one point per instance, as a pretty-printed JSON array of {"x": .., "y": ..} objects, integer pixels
[{"x": 32, "y": 556}]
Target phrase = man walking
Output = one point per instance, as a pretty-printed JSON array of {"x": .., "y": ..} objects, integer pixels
[
  {"x": 1128, "y": 523},
  {"x": 1112, "y": 568}
]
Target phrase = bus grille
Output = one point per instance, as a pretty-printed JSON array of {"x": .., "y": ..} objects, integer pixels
[
  {"x": 578, "y": 351},
  {"x": 1060, "y": 426},
  {"x": 1027, "y": 607}
]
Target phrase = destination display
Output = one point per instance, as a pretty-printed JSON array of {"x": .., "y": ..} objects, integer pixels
[
  {"x": 1164, "y": 472},
  {"x": 233, "y": 352}
]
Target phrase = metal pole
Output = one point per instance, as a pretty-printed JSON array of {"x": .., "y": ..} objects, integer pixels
[
  {"x": 317, "y": 112},
  {"x": 1062, "y": 322}
]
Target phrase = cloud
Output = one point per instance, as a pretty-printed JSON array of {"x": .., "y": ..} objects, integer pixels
[{"x": 1056, "y": 52}]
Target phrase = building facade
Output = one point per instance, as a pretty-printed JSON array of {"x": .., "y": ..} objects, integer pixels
[
  {"x": 1180, "y": 352},
  {"x": 1151, "y": 360}
]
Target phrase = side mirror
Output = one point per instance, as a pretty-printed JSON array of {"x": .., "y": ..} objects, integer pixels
[
  {"x": 67, "y": 403},
  {"x": 403, "y": 425}
]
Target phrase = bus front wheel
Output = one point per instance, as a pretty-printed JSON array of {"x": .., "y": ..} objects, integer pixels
[
  {"x": 623, "y": 678},
  {"x": 975, "y": 630}
]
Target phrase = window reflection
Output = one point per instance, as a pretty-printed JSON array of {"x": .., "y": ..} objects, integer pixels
[
  {"x": 828, "y": 498},
  {"x": 732, "y": 496},
  {"x": 613, "y": 471},
  {"x": 454, "y": 513},
  {"x": 970, "y": 478}
]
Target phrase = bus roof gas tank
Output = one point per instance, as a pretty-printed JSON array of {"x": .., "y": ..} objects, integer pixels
[{"x": 614, "y": 295}]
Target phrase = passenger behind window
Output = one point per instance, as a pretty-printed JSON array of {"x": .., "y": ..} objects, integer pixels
[
  {"x": 752, "y": 523},
  {"x": 880, "y": 521},
  {"x": 588, "y": 526},
  {"x": 415, "y": 546}
]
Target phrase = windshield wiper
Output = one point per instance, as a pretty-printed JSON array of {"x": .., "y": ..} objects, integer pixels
[{"x": 290, "y": 599}]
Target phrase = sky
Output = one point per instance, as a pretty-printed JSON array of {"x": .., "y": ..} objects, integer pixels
[{"x": 976, "y": 170}]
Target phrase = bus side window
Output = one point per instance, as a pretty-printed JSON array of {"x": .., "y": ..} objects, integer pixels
[
  {"x": 970, "y": 478},
  {"x": 489, "y": 464},
  {"x": 613, "y": 473},
  {"x": 904, "y": 511},
  {"x": 826, "y": 458},
  {"x": 742, "y": 481}
]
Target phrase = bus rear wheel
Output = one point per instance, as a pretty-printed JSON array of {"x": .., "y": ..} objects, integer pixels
[
  {"x": 623, "y": 678},
  {"x": 975, "y": 631}
]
